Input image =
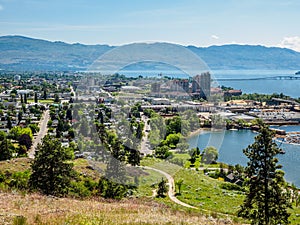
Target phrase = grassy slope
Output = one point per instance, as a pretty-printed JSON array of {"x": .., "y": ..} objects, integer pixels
[
  {"x": 39, "y": 209},
  {"x": 197, "y": 189},
  {"x": 205, "y": 192}
]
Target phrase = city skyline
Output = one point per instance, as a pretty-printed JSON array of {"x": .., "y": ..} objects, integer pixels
[{"x": 193, "y": 22}]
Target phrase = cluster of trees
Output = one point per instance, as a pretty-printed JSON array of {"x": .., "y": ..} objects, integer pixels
[
  {"x": 257, "y": 97},
  {"x": 23, "y": 137},
  {"x": 170, "y": 133},
  {"x": 52, "y": 173}
]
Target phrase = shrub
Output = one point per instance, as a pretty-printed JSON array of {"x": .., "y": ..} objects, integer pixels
[{"x": 231, "y": 186}]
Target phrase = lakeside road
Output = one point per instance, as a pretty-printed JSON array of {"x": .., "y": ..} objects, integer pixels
[
  {"x": 43, "y": 131},
  {"x": 171, "y": 192}
]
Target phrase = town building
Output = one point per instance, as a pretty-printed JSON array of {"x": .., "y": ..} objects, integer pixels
[{"x": 201, "y": 85}]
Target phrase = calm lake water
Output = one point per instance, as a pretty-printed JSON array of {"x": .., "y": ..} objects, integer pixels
[
  {"x": 287, "y": 87},
  {"x": 231, "y": 149}
]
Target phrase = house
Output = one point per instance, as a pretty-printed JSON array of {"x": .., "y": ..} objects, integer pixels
[{"x": 233, "y": 179}]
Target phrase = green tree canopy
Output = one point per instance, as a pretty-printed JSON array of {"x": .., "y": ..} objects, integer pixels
[{"x": 210, "y": 155}]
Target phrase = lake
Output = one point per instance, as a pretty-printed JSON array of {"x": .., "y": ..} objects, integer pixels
[
  {"x": 287, "y": 87},
  {"x": 231, "y": 144}
]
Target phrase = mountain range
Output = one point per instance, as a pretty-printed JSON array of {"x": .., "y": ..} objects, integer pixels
[{"x": 20, "y": 53}]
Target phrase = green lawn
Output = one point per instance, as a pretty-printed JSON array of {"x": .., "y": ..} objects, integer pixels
[
  {"x": 199, "y": 190},
  {"x": 45, "y": 101}
]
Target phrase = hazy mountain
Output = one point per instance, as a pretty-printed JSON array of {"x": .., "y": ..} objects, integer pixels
[{"x": 23, "y": 53}]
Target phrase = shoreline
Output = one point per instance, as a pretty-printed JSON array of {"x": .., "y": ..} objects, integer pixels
[
  {"x": 277, "y": 137},
  {"x": 197, "y": 132}
]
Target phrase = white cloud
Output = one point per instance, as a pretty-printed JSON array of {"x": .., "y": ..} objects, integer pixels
[
  {"x": 1, "y": 7},
  {"x": 214, "y": 37},
  {"x": 291, "y": 42}
]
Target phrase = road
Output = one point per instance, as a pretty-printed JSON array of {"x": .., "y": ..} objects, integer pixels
[
  {"x": 145, "y": 143},
  {"x": 43, "y": 131},
  {"x": 171, "y": 192}
]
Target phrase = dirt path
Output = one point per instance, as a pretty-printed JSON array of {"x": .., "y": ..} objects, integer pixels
[
  {"x": 171, "y": 191},
  {"x": 41, "y": 134}
]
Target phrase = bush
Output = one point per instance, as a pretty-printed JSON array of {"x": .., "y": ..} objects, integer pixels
[
  {"x": 110, "y": 189},
  {"x": 19, "y": 180},
  {"x": 78, "y": 189},
  {"x": 20, "y": 220},
  {"x": 231, "y": 186}
]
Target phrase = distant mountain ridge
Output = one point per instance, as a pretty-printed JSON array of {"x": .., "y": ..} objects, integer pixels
[{"x": 28, "y": 54}]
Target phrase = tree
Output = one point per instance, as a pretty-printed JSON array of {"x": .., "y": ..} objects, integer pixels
[
  {"x": 162, "y": 152},
  {"x": 162, "y": 188},
  {"x": 110, "y": 189},
  {"x": 25, "y": 98},
  {"x": 25, "y": 140},
  {"x": 35, "y": 97},
  {"x": 182, "y": 146},
  {"x": 210, "y": 155},
  {"x": 17, "y": 131},
  {"x": 69, "y": 114},
  {"x": 134, "y": 157},
  {"x": 179, "y": 184},
  {"x": 22, "y": 101},
  {"x": 51, "y": 171},
  {"x": 6, "y": 148},
  {"x": 20, "y": 116},
  {"x": 267, "y": 198},
  {"x": 44, "y": 94},
  {"x": 9, "y": 124},
  {"x": 139, "y": 131},
  {"x": 34, "y": 128},
  {"x": 56, "y": 98}
]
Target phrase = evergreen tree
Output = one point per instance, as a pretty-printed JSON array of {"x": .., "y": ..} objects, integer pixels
[
  {"x": 51, "y": 173},
  {"x": 5, "y": 147},
  {"x": 267, "y": 199},
  {"x": 116, "y": 167},
  {"x": 9, "y": 124},
  {"x": 45, "y": 94},
  {"x": 134, "y": 157},
  {"x": 69, "y": 114},
  {"x": 139, "y": 131},
  {"x": 22, "y": 101},
  {"x": 162, "y": 188},
  {"x": 35, "y": 97},
  {"x": 56, "y": 98},
  {"x": 25, "y": 140},
  {"x": 25, "y": 98}
]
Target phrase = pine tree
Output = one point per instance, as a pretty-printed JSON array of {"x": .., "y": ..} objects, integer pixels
[
  {"x": 25, "y": 98},
  {"x": 51, "y": 173},
  {"x": 162, "y": 188},
  {"x": 35, "y": 97},
  {"x": 134, "y": 157},
  {"x": 267, "y": 199},
  {"x": 5, "y": 147},
  {"x": 9, "y": 124}
]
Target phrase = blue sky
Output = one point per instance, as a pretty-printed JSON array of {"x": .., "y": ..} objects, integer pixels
[{"x": 187, "y": 22}]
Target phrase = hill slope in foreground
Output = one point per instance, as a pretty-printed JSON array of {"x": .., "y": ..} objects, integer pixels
[{"x": 38, "y": 209}]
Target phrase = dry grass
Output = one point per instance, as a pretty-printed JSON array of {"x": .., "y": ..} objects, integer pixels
[
  {"x": 38, "y": 209},
  {"x": 15, "y": 165}
]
